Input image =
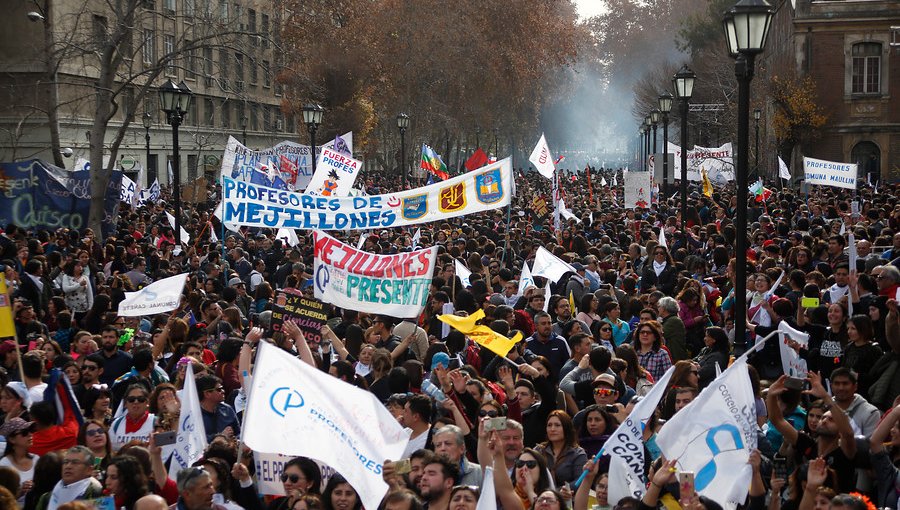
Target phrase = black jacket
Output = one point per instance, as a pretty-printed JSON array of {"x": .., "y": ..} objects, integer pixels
[{"x": 665, "y": 282}]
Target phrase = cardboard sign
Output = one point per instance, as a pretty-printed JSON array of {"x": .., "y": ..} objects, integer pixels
[{"x": 308, "y": 314}]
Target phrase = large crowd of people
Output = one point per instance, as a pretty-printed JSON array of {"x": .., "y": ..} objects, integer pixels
[{"x": 591, "y": 349}]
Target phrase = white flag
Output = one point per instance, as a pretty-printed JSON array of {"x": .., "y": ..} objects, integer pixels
[
  {"x": 361, "y": 242},
  {"x": 213, "y": 238},
  {"x": 791, "y": 362},
  {"x": 603, "y": 181},
  {"x": 525, "y": 279},
  {"x": 549, "y": 265},
  {"x": 547, "y": 295},
  {"x": 289, "y": 397},
  {"x": 626, "y": 445},
  {"x": 191, "y": 442},
  {"x": 185, "y": 237},
  {"x": 662, "y": 237},
  {"x": 567, "y": 214},
  {"x": 463, "y": 272},
  {"x": 615, "y": 175},
  {"x": 488, "y": 498},
  {"x": 854, "y": 255},
  {"x": 158, "y": 297},
  {"x": 713, "y": 437},
  {"x": 447, "y": 309},
  {"x": 541, "y": 158},
  {"x": 843, "y": 229},
  {"x": 416, "y": 238},
  {"x": 783, "y": 169},
  {"x": 288, "y": 235}
]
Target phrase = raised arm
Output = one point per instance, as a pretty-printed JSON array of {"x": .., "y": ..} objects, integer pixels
[
  {"x": 845, "y": 430},
  {"x": 883, "y": 430},
  {"x": 246, "y": 357},
  {"x": 503, "y": 485},
  {"x": 291, "y": 330},
  {"x": 583, "y": 493},
  {"x": 776, "y": 416}
]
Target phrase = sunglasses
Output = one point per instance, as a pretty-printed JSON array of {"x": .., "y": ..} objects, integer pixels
[
  {"x": 94, "y": 432},
  {"x": 604, "y": 392},
  {"x": 485, "y": 412},
  {"x": 293, "y": 478},
  {"x": 132, "y": 400},
  {"x": 606, "y": 329},
  {"x": 530, "y": 464},
  {"x": 89, "y": 367}
]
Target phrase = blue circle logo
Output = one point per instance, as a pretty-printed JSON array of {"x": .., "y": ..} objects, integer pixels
[{"x": 285, "y": 398}]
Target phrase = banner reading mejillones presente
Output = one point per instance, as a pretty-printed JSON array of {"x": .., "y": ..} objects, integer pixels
[
  {"x": 256, "y": 205},
  {"x": 356, "y": 280},
  {"x": 829, "y": 173}
]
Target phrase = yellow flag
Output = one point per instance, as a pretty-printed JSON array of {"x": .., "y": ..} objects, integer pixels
[
  {"x": 7, "y": 326},
  {"x": 463, "y": 324},
  {"x": 482, "y": 335},
  {"x": 707, "y": 186},
  {"x": 572, "y": 303}
]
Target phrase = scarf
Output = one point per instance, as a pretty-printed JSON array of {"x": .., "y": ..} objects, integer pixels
[
  {"x": 658, "y": 267},
  {"x": 135, "y": 425},
  {"x": 63, "y": 493},
  {"x": 836, "y": 292}
]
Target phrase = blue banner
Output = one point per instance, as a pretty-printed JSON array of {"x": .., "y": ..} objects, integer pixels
[{"x": 37, "y": 194}]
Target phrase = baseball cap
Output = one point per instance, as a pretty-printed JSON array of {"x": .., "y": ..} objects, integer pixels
[
  {"x": 15, "y": 426},
  {"x": 606, "y": 379},
  {"x": 235, "y": 281}
]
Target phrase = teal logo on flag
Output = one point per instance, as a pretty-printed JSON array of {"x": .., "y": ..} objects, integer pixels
[
  {"x": 415, "y": 207},
  {"x": 489, "y": 187}
]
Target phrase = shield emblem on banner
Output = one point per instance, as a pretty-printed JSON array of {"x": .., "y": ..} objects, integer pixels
[
  {"x": 452, "y": 198},
  {"x": 489, "y": 187},
  {"x": 415, "y": 207}
]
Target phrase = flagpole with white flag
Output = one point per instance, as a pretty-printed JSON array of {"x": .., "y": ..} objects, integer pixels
[
  {"x": 463, "y": 272},
  {"x": 549, "y": 265},
  {"x": 541, "y": 159},
  {"x": 290, "y": 397},
  {"x": 191, "y": 434},
  {"x": 525, "y": 279}
]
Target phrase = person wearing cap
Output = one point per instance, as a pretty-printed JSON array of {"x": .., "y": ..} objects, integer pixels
[
  {"x": 18, "y": 434},
  {"x": 15, "y": 401},
  {"x": 576, "y": 284}
]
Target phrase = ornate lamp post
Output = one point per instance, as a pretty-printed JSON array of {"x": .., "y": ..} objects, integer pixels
[
  {"x": 312, "y": 116},
  {"x": 175, "y": 100},
  {"x": 147, "y": 121},
  {"x": 665, "y": 106},
  {"x": 684, "y": 89},
  {"x": 403, "y": 124},
  {"x": 746, "y": 29}
]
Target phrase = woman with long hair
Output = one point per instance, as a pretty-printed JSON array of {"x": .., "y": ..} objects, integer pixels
[
  {"x": 18, "y": 433},
  {"x": 126, "y": 481},
  {"x": 648, "y": 346},
  {"x": 861, "y": 352},
  {"x": 530, "y": 476},
  {"x": 300, "y": 477},
  {"x": 636, "y": 376},
  {"x": 588, "y": 309},
  {"x": 83, "y": 344},
  {"x": 165, "y": 404},
  {"x": 97, "y": 405},
  {"x": 595, "y": 429},
  {"x": 47, "y": 473},
  {"x": 565, "y": 458},
  {"x": 230, "y": 495},
  {"x": 262, "y": 297},
  {"x": 77, "y": 289},
  {"x": 93, "y": 319},
  {"x": 717, "y": 351},
  {"x": 340, "y": 495},
  {"x": 95, "y": 436}
]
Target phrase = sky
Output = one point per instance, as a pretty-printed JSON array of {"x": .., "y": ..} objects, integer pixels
[{"x": 588, "y": 8}]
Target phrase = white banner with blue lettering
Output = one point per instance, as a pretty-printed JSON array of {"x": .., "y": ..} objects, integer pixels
[
  {"x": 295, "y": 409},
  {"x": 191, "y": 433},
  {"x": 256, "y": 205},
  {"x": 829, "y": 173},
  {"x": 287, "y": 165},
  {"x": 713, "y": 437}
]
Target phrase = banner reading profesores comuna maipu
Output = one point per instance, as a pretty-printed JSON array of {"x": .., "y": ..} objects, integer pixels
[
  {"x": 255, "y": 205},
  {"x": 356, "y": 280}
]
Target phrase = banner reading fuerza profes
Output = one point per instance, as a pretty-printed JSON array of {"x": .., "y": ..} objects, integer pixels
[
  {"x": 254, "y": 205},
  {"x": 357, "y": 280}
]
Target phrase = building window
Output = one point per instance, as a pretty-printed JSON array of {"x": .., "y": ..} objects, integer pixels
[
  {"x": 169, "y": 50},
  {"x": 237, "y": 12},
  {"x": 189, "y": 8},
  {"x": 100, "y": 29},
  {"x": 265, "y": 30},
  {"x": 193, "y": 117},
  {"x": 251, "y": 27},
  {"x": 254, "y": 73},
  {"x": 254, "y": 117},
  {"x": 223, "y": 68},
  {"x": 169, "y": 6},
  {"x": 209, "y": 113},
  {"x": 149, "y": 47},
  {"x": 226, "y": 114},
  {"x": 223, "y": 11},
  {"x": 866, "y": 68},
  {"x": 191, "y": 60},
  {"x": 208, "y": 65},
  {"x": 267, "y": 74},
  {"x": 239, "y": 71}
]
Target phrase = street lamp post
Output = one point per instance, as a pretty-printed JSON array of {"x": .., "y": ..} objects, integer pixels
[
  {"x": 654, "y": 119},
  {"x": 757, "y": 113},
  {"x": 649, "y": 125},
  {"x": 684, "y": 89},
  {"x": 665, "y": 106},
  {"x": 312, "y": 116},
  {"x": 641, "y": 131},
  {"x": 147, "y": 121},
  {"x": 746, "y": 28},
  {"x": 175, "y": 100},
  {"x": 403, "y": 124},
  {"x": 244, "y": 128}
]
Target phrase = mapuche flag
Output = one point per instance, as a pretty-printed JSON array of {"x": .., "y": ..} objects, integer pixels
[{"x": 432, "y": 163}]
